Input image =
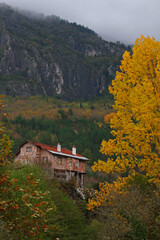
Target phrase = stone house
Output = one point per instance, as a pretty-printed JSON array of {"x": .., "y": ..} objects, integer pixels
[{"x": 57, "y": 161}]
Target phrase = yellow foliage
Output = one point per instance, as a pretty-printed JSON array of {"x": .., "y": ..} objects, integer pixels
[
  {"x": 108, "y": 117},
  {"x": 136, "y": 125}
]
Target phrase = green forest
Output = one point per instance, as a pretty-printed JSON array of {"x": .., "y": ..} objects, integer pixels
[
  {"x": 70, "y": 123},
  {"x": 85, "y": 134}
]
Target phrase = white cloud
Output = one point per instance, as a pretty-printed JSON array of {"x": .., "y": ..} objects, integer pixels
[{"x": 123, "y": 20}]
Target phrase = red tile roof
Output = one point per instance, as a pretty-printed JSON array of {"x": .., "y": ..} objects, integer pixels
[{"x": 54, "y": 149}]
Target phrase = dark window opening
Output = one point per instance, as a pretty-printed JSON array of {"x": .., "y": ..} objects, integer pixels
[{"x": 28, "y": 149}]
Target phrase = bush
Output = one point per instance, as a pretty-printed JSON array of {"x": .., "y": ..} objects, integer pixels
[{"x": 26, "y": 207}]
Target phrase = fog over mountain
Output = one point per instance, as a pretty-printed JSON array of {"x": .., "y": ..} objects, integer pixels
[{"x": 114, "y": 20}]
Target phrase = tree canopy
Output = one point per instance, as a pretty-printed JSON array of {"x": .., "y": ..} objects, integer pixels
[{"x": 135, "y": 148}]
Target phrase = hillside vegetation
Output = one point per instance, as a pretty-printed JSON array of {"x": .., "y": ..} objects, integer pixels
[
  {"x": 66, "y": 220},
  {"x": 50, "y": 121}
]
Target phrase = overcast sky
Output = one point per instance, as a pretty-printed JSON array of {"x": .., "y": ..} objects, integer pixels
[{"x": 114, "y": 20}]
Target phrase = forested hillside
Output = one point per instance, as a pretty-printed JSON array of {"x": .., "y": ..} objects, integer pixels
[{"x": 50, "y": 121}]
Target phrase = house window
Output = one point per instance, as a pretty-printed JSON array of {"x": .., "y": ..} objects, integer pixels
[
  {"x": 77, "y": 164},
  {"x": 45, "y": 159},
  {"x": 28, "y": 149},
  {"x": 70, "y": 164},
  {"x": 59, "y": 161}
]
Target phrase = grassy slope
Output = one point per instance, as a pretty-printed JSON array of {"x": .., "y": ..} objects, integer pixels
[
  {"x": 48, "y": 107},
  {"x": 68, "y": 217}
]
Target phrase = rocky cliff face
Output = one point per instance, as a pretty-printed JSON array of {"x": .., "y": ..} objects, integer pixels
[{"x": 49, "y": 56}]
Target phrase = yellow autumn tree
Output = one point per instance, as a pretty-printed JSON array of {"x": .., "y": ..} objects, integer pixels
[{"x": 135, "y": 148}]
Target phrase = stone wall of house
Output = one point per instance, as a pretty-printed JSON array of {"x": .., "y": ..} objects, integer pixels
[{"x": 31, "y": 154}]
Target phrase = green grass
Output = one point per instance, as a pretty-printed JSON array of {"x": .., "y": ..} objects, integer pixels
[{"x": 69, "y": 216}]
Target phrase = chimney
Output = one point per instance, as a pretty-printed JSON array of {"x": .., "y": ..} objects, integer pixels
[
  {"x": 73, "y": 150},
  {"x": 59, "y": 147}
]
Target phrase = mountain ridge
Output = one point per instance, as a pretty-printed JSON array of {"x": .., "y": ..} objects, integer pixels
[{"x": 51, "y": 57}]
